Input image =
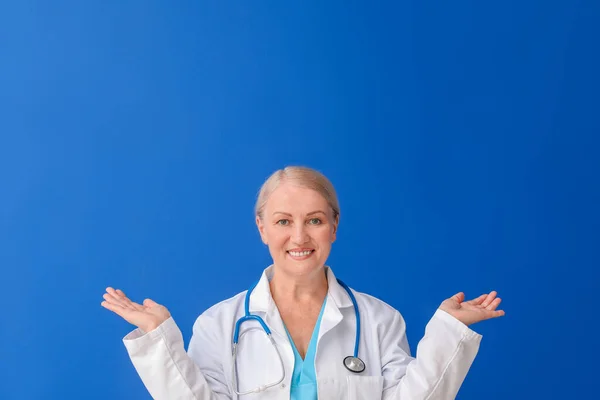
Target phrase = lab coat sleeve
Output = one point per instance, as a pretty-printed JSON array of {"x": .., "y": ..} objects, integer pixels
[
  {"x": 166, "y": 369},
  {"x": 444, "y": 356}
]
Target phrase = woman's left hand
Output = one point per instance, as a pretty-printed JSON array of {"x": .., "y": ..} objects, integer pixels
[{"x": 473, "y": 311}]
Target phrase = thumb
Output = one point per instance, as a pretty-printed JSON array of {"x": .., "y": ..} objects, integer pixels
[
  {"x": 459, "y": 297},
  {"x": 150, "y": 303}
]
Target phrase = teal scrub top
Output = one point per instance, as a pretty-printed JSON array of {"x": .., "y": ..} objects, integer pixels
[{"x": 304, "y": 377}]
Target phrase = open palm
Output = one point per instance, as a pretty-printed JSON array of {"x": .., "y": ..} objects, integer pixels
[
  {"x": 473, "y": 311},
  {"x": 146, "y": 316}
]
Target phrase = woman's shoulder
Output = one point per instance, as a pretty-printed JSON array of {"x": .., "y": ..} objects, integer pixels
[
  {"x": 374, "y": 305},
  {"x": 222, "y": 312}
]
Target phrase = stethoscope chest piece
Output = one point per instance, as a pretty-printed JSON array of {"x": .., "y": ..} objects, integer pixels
[{"x": 354, "y": 364}]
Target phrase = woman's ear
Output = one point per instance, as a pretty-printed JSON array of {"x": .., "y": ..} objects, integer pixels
[
  {"x": 336, "y": 222},
  {"x": 261, "y": 229}
]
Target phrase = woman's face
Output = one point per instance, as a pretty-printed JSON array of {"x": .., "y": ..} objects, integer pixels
[{"x": 299, "y": 228}]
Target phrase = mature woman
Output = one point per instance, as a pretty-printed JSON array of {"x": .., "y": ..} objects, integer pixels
[{"x": 300, "y": 333}]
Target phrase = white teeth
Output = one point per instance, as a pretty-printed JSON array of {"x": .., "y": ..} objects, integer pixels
[{"x": 300, "y": 253}]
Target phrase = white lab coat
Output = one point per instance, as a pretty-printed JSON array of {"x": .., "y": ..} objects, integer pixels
[{"x": 443, "y": 358}]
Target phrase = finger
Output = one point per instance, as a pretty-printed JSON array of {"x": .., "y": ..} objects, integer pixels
[
  {"x": 131, "y": 304},
  {"x": 122, "y": 299},
  {"x": 493, "y": 314},
  {"x": 136, "y": 306},
  {"x": 490, "y": 297},
  {"x": 494, "y": 304},
  {"x": 123, "y": 296},
  {"x": 150, "y": 303},
  {"x": 478, "y": 300},
  {"x": 497, "y": 313},
  {"x": 113, "y": 294},
  {"x": 111, "y": 300},
  {"x": 118, "y": 293},
  {"x": 117, "y": 309},
  {"x": 459, "y": 297}
]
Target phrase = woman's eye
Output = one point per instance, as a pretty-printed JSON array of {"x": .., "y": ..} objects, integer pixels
[
  {"x": 283, "y": 222},
  {"x": 315, "y": 221}
]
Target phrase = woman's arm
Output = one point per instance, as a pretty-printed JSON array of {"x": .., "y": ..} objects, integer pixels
[
  {"x": 168, "y": 372},
  {"x": 444, "y": 356},
  {"x": 157, "y": 352}
]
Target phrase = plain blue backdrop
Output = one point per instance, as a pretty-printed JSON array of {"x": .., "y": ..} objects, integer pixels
[{"x": 462, "y": 138}]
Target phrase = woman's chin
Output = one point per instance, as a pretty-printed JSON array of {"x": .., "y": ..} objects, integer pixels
[{"x": 300, "y": 268}]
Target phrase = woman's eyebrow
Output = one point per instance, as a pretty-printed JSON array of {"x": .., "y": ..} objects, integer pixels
[
  {"x": 281, "y": 212},
  {"x": 316, "y": 212}
]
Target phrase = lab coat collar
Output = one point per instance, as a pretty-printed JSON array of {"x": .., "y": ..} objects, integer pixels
[
  {"x": 261, "y": 300},
  {"x": 336, "y": 291}
]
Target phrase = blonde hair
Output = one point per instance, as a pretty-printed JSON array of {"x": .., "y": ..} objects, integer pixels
[{"x": 302, "y": 176}]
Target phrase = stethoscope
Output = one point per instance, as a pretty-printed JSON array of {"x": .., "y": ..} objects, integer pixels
[{"x": 352, "y": 363}]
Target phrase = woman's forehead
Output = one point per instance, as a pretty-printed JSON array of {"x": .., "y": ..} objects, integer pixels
[{"x": 294, "y": 197}]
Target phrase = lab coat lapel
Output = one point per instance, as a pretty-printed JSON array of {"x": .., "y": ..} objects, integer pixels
[
  {"x": 274, "y": 321},
  {"x": 262, "y": 303},
  {"x": 337, "y": 298},
  {"x": 331, "y": 317}
]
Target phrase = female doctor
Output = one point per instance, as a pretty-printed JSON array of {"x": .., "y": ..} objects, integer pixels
[{"x": 299, "y": 333}]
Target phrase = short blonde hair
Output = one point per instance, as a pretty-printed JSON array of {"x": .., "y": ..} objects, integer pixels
[{"x": 302, "y": 176}]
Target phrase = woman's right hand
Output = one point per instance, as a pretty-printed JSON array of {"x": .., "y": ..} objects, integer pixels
[{"x": 147, "y": 317}]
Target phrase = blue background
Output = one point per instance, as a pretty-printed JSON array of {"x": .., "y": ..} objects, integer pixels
[{"x": 462, "y": 138}]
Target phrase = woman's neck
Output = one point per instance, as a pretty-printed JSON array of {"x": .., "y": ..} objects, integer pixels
[{"x": 303, "y": 289}]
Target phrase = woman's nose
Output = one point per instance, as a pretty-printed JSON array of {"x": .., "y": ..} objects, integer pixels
[{"x": 300, "y": 235}]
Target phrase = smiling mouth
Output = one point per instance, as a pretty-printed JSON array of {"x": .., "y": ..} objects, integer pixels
[{"x": 300, "y": 254}]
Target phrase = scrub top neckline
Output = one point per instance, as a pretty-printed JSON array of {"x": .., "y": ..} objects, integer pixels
[
  {"x": 304, "y": 369},
  {"x": 313, "y": 338}
]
